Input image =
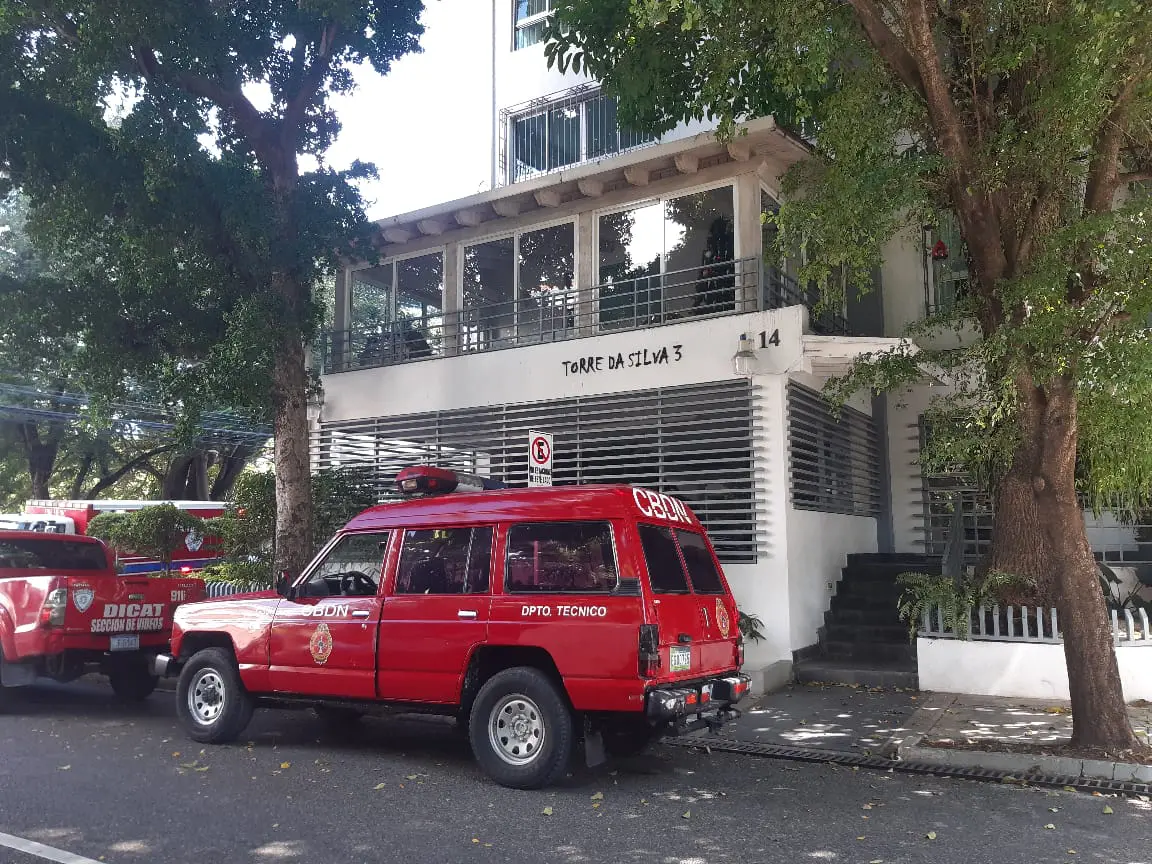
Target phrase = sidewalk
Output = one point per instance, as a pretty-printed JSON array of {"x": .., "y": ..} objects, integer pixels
[{"x": 1014, "y": 735}]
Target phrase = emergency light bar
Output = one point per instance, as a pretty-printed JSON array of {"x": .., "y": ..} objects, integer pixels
[{"x": 430, "y": 480}]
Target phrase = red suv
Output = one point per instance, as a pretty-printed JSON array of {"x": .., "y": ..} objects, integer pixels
[{"x": 537, "y": 617}]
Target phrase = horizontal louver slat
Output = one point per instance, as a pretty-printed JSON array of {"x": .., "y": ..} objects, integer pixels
[
  {"x": 694, "y": 442},
  {"x": 834, "y": 457}
]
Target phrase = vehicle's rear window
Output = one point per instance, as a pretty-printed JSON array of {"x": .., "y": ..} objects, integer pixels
[
  {"x": 665, "y": 571},
  {"x": 701, "y": 565},
  {"x": 28, "y": 554},
  {"x": 560, "y": 557}
]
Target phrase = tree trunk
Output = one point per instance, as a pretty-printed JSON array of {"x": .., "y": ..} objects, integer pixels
[
  {"x": 175, "y": 485},
  {"x": 1018, "y": 542},
  {"x": 41, "y": 456},
  {"x": 1099, "y": 716},
  {"x": 232, "y": 465},
  {"x": 293, "y": 477}
]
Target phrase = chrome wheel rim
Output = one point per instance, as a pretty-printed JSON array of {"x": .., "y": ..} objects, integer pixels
[
  {"x": 206, "y": 696},
  {"x": 516, "y": 729}
]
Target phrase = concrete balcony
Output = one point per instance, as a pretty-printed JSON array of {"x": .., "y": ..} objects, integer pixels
[{"x": 643, "y": 302}]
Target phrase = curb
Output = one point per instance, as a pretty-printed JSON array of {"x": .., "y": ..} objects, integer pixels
[{"x": 1025, "y": 770}]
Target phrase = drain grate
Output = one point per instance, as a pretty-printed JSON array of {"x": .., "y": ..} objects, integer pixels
[{"x": 855, "y": 760}]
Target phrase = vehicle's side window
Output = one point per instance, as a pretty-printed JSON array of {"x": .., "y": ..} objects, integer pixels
[
  {"x": 561, "y": 556},
  {"x": 701, "y": 565},
  {"x": 480, "y": 561},
  {"x": 665, "y": 569},
  {"x": 445, "y": 561},
  {"x": 351, "y": 568}
]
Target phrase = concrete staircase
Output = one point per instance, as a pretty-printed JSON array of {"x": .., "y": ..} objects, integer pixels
[{"x": 862, "y": 640}]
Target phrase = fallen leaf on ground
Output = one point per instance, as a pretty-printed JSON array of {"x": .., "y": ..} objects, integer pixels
[
  {"x": 379, "y": 786},
  {"x": 1069, "y": 788},
  {"x": 65, "y": 768},
  {"x": 931, "y": 835},
  {"x": 687, "y": 814},
  {"x": 285, "y": 764},
  {"x": 1050, "y": 827},
  {"x": 547, "y": 811},
  {"x": 1108, "y": 811},
  {"x": 599, "y": 796}
]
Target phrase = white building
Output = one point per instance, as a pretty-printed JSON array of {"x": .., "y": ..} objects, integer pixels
[{"x": 602, "y": 291}]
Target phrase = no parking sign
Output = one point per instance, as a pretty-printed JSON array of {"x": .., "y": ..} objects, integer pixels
[{"x": 539, "y": 458}]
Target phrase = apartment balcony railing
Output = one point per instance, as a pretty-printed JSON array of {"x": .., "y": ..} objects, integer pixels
[
  {"x": 782, "y": 290},
  {"x": 729, "y": 288}
]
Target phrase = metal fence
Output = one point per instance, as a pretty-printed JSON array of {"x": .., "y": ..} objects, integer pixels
[
  {"x": 726, "y": 288},
  {"x": 1032, "y": 624},
  {"x": 782, "y": 290},
  {"x": 561, "y": 130}
]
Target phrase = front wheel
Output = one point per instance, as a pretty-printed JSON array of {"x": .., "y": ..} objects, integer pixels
[
  {"x": 211, "y": 701},
  {"x": 521, "y": 729},
  {"x": 132, "y": 680}
]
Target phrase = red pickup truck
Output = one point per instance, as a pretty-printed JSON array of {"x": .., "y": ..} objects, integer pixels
[
  {"x": 536, "y": 617},
  {"x": 64, "y": 611}
]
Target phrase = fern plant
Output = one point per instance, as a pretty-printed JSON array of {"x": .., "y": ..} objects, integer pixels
[{"x": 955, "y": 598}]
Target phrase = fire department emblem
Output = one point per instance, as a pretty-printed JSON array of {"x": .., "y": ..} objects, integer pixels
[
  {"x": 193, "y": 541},
  {"x": 722, "y": 620},
  {"x": 320, "y": 645},
  {"x": 82, "y": 598}
]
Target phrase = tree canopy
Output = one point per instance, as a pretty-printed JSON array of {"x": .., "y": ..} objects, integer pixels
[
  {"x": 1031, "y": 123},
  {"x": 185, "y": 81}
]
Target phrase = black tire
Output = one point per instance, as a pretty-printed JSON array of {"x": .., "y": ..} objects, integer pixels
[
  {"x": 338, "y": 719},
  {"x": 542, "y": 733},
  {"x": 628, "y": 738},
  {"x": 132, "y": 679},
  {"x": 209, "y": 676}
]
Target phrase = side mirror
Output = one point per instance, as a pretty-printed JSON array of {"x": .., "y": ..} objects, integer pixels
[{"x": 284, "y": 585}]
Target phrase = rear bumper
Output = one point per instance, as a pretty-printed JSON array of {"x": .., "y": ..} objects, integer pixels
[{"x": 698, "y": 704}]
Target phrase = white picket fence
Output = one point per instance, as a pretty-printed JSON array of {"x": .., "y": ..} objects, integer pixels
[
  {"x": 223, "y": 589},
  {"x": 1033, "y": 624}
]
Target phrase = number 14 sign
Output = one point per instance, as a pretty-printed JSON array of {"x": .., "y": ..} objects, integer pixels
[{"x": 539, "y": 458}]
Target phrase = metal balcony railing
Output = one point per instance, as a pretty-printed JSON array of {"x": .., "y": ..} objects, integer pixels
[
  {"x": 782, "y": 290},
  {"x": 725, "y": 288}
]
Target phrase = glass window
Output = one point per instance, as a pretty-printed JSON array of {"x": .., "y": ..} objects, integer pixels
[
  {"x": 665, "y": 569},
  {"x": 351, "y": 568},
  {"x": 480, "y": 561},
  {"x": 699, "y": 250},
  {"x": 51, "y": 555},
  {"x": 701, "y": 565},
  {"x": 371, "y": 297},
  {"x": 631, "y": 244},
  {"x": 444, "y": 561},
  {"x": 561, "y": 556},
  {"x": 419, "y": 295},
  {"x": 531, "y": 20},
  {"x": 489, "y": 286}
]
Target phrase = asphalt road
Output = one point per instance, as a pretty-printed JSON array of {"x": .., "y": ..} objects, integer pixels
[{"x": 81, "y": 774}]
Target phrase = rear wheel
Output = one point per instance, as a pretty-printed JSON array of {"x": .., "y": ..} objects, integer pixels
[
  {"x": 211, "y": 701},
  {"x": 521, "y": 729},
  {"x": 132, "y": 679}
]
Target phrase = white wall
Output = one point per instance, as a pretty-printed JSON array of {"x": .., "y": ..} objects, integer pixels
[
  {"x": 537, "y": 373},
  {"x": 818, "y": 549},
  {"x": 903, "y": 442},
  {"x": 762, "y": 588},
  {"x": 1018, "y": 669}
]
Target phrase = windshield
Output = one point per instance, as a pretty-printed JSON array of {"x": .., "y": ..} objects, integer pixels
[{"x": 34, "y": 554}]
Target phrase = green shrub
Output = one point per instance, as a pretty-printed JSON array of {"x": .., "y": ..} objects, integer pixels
[
  {"x": 955, "y": 597},
  {"x": 155, "y": 532},
  {"x": 750, "y": 626}
]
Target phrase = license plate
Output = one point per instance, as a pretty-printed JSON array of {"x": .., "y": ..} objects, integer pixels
[
  {"x": 130, "y": 642},
  {"x": 681, "y": 659}
]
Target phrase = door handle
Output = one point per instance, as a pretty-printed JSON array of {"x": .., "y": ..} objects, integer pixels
[
  {"x": 466, "y": 613},
  {"x": 360, "y": 613}
]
